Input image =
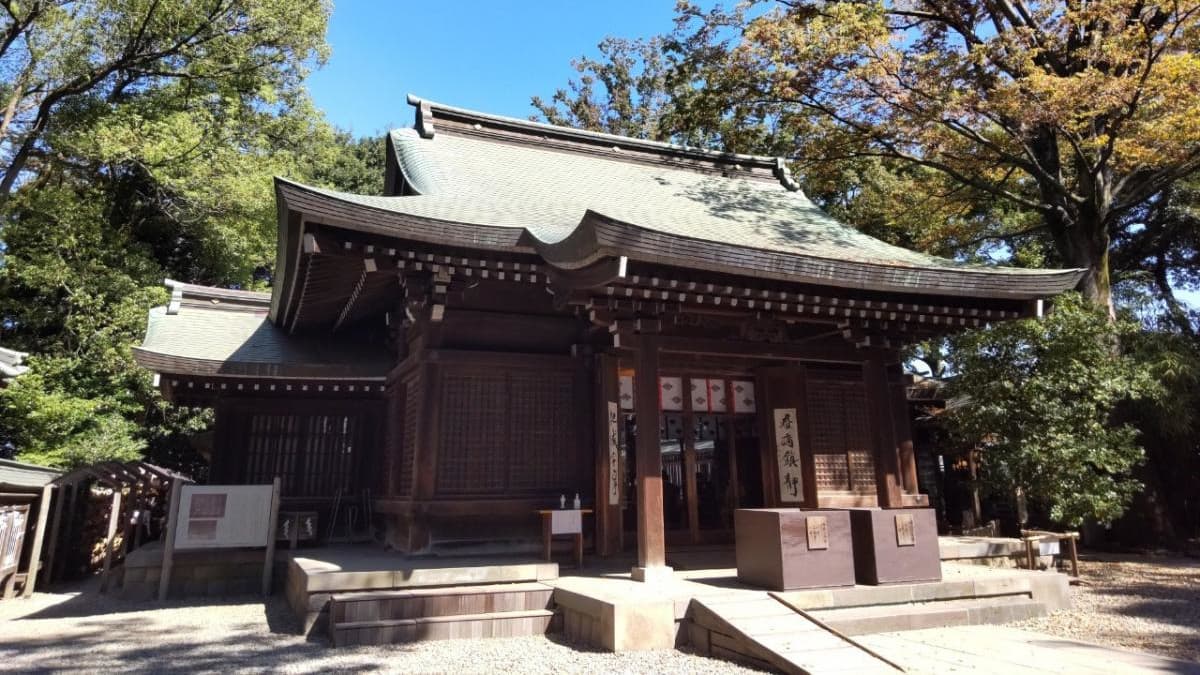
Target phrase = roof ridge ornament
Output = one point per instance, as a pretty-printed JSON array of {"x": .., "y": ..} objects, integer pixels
[
  {"x": 424, "y": 121},
  {"x": 785, "y": 176},
  {"x": 176, "y": 295}
]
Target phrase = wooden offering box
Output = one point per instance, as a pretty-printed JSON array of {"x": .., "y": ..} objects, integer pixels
[
  {"x": 789, "y": 549},
  {"x": 895, "y": 546}
]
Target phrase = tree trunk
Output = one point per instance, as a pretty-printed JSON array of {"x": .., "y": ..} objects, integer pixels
[
  {"x": 1095, "y": 284},
  {"x": 1084, "y": 243}
]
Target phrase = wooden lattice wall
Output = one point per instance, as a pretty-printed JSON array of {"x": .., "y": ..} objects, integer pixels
[
  {"x": 511, "y": 431},
  {"x": 843, "y": 457}
]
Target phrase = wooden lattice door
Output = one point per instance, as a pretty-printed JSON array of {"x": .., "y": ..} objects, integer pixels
[{"x": 843, "y": 458}]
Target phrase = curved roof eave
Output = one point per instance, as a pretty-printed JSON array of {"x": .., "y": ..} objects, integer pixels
[{"x": 597, "y": 236}]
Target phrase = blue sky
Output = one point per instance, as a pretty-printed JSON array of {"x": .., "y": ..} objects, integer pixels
[{"x": 488, "y": 56}]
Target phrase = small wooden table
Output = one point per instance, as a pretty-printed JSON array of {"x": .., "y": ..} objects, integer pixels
[{"x": 567, "y": 522}]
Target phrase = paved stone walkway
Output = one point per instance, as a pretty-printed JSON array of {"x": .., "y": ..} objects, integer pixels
[{"x": 1011, "y": 651}]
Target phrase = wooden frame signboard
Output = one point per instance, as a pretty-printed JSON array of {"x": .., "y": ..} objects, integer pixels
[{"x": 221, "y": 516}]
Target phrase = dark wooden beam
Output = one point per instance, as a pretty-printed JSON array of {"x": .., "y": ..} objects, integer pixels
[{"x": 839, "y": 352}]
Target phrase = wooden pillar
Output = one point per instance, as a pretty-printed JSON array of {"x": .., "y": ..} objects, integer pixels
[
  {"x": 687, "y": 444},
  {"x": 651, "y": 536},
  {"x": 904, "y": 438},
  {"x": 114, "y": 516},
  {"x": 887, "y": 461},
  {"x": 60, "y": 502},
  {"x": 425, "y": 469},
  {"x": 39, "y": 533},
  {"x": 608, "y": 511},
  {"x": 272, "y": 528},
  {"x": 168, "y": 555}
]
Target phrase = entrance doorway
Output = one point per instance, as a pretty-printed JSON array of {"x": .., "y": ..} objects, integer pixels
[{"x": 711, "y": 462}]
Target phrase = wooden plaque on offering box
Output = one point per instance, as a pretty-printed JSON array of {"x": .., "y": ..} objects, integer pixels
[
  {"x": 906, "y": 534},
  {"x": 818, "y": 533}
]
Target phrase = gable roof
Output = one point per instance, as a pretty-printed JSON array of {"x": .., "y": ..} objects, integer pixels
[{"x": 573, "y": 197}]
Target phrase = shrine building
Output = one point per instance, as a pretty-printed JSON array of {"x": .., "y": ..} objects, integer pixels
[{"x": 494, "y": 332}]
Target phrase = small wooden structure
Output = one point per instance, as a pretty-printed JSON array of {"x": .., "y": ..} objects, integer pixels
[
  {"x": 563, "y": 522},
  {"x": 26, "y": 493},
  {"x": 530, "y": 310},
  {"x": 1034, "y": 538},
  {"x": 102, "y": 512}
]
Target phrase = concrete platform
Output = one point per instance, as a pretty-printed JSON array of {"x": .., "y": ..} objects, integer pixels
[
  {"x": 607, "y": 609},
  {"x": 313, "y": 575}
]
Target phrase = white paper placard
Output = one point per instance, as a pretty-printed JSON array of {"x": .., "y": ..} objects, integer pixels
[
  {"x": 625, "y": 392},
  {"x": 787, "y": 454},
  {"x": 743, "y": 396},
  {"x": 566, "y": 522},
  {"x": 670, "y": 393},
  {"x": 699, "y": 395},
  {"x": 223, "y": 516},
  {"x": 614, "y": 454},
  {"x": 717, "y": 396}
]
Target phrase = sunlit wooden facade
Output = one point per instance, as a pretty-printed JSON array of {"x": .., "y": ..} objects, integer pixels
[{"x": 464, "y": 346}]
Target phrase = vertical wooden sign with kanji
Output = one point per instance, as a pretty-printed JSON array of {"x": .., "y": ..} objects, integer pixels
[
  {"x": 614, "y": 454},
  {"x": 787, "y": 454}
]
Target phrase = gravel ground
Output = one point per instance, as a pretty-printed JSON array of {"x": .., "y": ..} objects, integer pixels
[
  {"x": 1148, "y": 603},
  {"x": 84, "y": 631}
]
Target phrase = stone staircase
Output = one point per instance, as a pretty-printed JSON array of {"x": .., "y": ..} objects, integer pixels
[{"x": 410, "y": 615}]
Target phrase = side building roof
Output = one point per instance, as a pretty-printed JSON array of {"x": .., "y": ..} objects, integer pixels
[
  {"x": 12, "y": 364},
  {"x": 213, "y": 332}
]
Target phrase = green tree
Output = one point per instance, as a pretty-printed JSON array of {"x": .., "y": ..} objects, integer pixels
[
  {"x": 129, "y": 162},
  {"x": 624, "y": 91},
  {"x": 1038, "y": 395},
  {"x": 67, "y": 61},
  {"x": 1077, "y": 112}
]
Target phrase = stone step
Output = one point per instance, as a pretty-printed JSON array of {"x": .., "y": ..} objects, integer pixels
[
  {"x": 905, "y": 594},
  {"x": 419, "y": 603},
  {"x": 963, "y": 612},
  {"x": 462, "y": 626}
]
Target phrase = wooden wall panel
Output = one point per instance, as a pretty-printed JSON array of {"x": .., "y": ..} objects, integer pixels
[{"x": 509, "y": 429}]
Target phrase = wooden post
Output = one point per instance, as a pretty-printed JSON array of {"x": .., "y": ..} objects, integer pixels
[
  {"x": 904, "y": 438},
  {"x": 114, "y": 517},
  {"x": 608, "y": 514},
  {"x": 39, "y": 533},
  {"x": 887, "y": 460},
  {"x": 651, "y": 535},
  {"x": 60, "y": 501},
  {"x": 1072, "y": 542},
  {"x": 688, "y": 446},
  {"x": 164, "y": 579},
  {"x": 272, "y": 526}
]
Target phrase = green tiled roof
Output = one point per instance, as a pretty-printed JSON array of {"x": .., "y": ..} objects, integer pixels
[
  {"x": 535, "y": 187},
  {"x": 213, "y": 341}
]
